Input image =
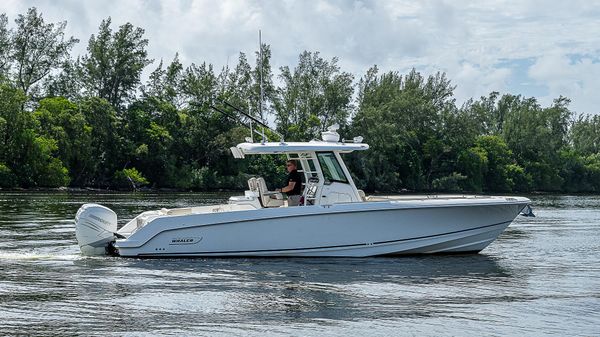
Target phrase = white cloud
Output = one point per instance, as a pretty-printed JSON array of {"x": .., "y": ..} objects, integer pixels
[
  {"x": 576, "y": 79},
  {"x": 474, "y": 42},
  {"x": 473, "y": 79}
]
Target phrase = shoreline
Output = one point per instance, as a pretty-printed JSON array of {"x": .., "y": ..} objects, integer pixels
[{"x": 175, "y": 190}]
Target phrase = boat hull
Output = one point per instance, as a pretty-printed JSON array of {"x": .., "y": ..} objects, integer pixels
[{"x": 341, "y": 230}]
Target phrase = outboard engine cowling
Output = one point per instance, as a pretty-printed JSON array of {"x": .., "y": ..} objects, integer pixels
[{"x": 95, "y": 228}]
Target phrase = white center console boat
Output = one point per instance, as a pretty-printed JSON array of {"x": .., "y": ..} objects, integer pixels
[{"x": 335, "y": 218}]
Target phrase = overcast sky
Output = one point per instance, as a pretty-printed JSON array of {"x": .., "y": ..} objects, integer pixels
[{"x": 534, "y": 48}]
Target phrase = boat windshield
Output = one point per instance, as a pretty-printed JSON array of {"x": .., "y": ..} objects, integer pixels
[{"x": 332, "y": 170}]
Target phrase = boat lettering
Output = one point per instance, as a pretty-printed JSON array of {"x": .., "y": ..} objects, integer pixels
[
  {"x": 99, "y": 219},
  {"x": 184, "y": 241}
]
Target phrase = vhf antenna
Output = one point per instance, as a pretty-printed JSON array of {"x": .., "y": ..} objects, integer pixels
[
  {"x": 250, "y": 113},
  {"x": 260, "y": 70}
]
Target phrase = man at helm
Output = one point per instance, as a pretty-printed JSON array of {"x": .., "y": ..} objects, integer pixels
[{"x": 294, "y": 184}]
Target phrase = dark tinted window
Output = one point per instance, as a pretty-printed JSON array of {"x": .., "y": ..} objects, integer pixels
[{"x": 332, "y": 171}]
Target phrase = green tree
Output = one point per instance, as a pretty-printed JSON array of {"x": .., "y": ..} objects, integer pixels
[
  {"x": 38, "y": 48},
  {"x": 129, "y": 178},
  {"x": 149, "y": 123},
  {"x": 106, "y": 140},
  {"x": 241, "y": 85},
  {"x": 66, "y": 83},
  {"x": 5, "y": 45},
  {"x": 29, "y": 158},
  {"x": 402, "y": 118},
  {"x": 585, "y": 135},
  {"x": 7, "y": 177},
  {"x": 61, "y": 120},
  {"x": 114, "y": 63},
  {"x": 13, "y": 123},
  {"x": 262, "y": 73},
  {"x": 93, "y": 129},
  {"x": 536, "y": 136},
  {"x": 498, "y": 163},
  {"x": 592, "y": 171},
  {"x": 199, "y": 86},
  {"x": 315, "y": 95},
  {"x": 473, "y": 163},
  {"x": 165, "y": 84}
]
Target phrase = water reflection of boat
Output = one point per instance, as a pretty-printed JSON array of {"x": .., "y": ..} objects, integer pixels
[
  {"x": 335, "y": 219},
  {"x": 297, "y": 289},
  {"x": 411, "y": 269}
]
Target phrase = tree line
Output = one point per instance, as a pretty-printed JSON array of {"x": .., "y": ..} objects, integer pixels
[{"x": 91, "y": 121}]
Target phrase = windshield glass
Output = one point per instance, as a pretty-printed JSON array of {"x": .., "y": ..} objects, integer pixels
[{"x": 332, "y": 171}]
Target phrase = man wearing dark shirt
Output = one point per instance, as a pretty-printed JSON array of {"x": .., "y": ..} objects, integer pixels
[{"x": 294, "y": 184}]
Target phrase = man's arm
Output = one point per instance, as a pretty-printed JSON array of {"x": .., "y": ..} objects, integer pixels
[{"x": 288, "y": 188}]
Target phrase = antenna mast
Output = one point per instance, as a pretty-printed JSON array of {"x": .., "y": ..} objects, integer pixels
[{"x": 260, "y": 70}]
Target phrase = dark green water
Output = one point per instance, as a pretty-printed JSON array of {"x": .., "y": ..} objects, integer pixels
[{"x": 541, "y": 277}]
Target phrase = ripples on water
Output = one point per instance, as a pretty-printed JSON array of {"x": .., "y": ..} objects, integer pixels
[{"x": 541, "y": 277}]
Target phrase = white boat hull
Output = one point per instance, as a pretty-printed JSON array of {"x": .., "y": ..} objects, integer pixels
[{"x": 392, "y": 227}]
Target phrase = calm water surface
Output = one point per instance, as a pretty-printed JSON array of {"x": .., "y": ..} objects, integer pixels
[{"x": 541, "y": 277}]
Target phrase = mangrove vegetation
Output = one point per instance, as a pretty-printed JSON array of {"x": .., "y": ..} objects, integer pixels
[{"x": 93, "y": 120}]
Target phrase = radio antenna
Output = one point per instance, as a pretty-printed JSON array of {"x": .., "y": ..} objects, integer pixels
[{"x": 260, "y": 70}]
